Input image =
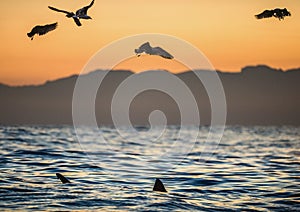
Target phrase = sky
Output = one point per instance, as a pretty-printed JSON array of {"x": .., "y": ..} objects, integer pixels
[{"x": 225, "y": 31}]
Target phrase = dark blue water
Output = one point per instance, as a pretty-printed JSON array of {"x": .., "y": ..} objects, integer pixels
[{"x": 253, "y": 169}]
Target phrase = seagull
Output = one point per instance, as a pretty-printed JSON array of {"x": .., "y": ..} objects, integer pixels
[
  {"x": 80, "y": 14},
  {"x": 152, "y": 51},
  {"x": 41, "y": 30},
  {"x": 277, "y": 13}
]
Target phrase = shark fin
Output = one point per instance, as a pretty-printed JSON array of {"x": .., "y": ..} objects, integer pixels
[
  {"x": 62, "y": 178},
  {"x": 159, "y": 186}
]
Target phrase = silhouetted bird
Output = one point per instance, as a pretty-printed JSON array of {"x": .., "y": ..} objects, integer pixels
[
  {"x": 80, "y": 14},
  {"x": 152, "y": 51},
  {"x": 277, "y": 13},
  {"x": 159, "y": 186},
  {"x": 41, "y": 30},
  {"x": 62, "y": 178}
]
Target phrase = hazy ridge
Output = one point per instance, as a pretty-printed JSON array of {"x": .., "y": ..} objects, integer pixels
[{"x": 258, "y": 95}]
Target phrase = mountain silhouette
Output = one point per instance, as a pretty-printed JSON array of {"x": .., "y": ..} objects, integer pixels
[{"x": 258, "y": 95}]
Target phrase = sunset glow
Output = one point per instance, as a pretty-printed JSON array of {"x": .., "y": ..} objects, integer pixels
[{"x": 225, "y": 31}]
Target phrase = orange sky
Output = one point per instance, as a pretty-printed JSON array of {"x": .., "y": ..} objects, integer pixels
[{"x": 226, "y": 31}]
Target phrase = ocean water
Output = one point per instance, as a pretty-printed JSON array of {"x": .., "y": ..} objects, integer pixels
[{"x": 251, "y": 169}]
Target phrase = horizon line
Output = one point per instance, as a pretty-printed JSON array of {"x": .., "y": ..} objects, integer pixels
[{"x": 135, "y": 72}]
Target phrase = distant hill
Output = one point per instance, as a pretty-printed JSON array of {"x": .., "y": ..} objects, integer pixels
[{"x": 258, "y": 95}]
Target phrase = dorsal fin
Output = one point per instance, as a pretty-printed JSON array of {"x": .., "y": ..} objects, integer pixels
[
  {"x": 62, "y": 178},
  {"x": 159, "y": 186}
]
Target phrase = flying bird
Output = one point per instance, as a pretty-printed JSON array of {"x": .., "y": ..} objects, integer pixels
[
  {"x": 152, "y": 51},
  {"x": 80, "y": 14},
  {"x": 41, "y": 30},
  {"x": 277, "y": 13}
]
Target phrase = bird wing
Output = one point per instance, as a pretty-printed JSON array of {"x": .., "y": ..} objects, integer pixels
[
  {"x": 161, "y": 52},
  {"x": 61, "y": 11},
  {"x": 77, "y": 21},
  {"x": 265, "y": 14},
  {"x": 146, "y": 48},
  {"x": 41, "y": 30},
  {"x": 46, "y": 28},
  {"x": 84, "y": 10},
  {"x": 90, "y": 5}
]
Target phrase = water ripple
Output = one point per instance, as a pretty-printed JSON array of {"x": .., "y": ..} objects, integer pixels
[{"x": 253, "y": 169}]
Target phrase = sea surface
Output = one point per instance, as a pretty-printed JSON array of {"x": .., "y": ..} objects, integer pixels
[{"x": 251, "y": 169}]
